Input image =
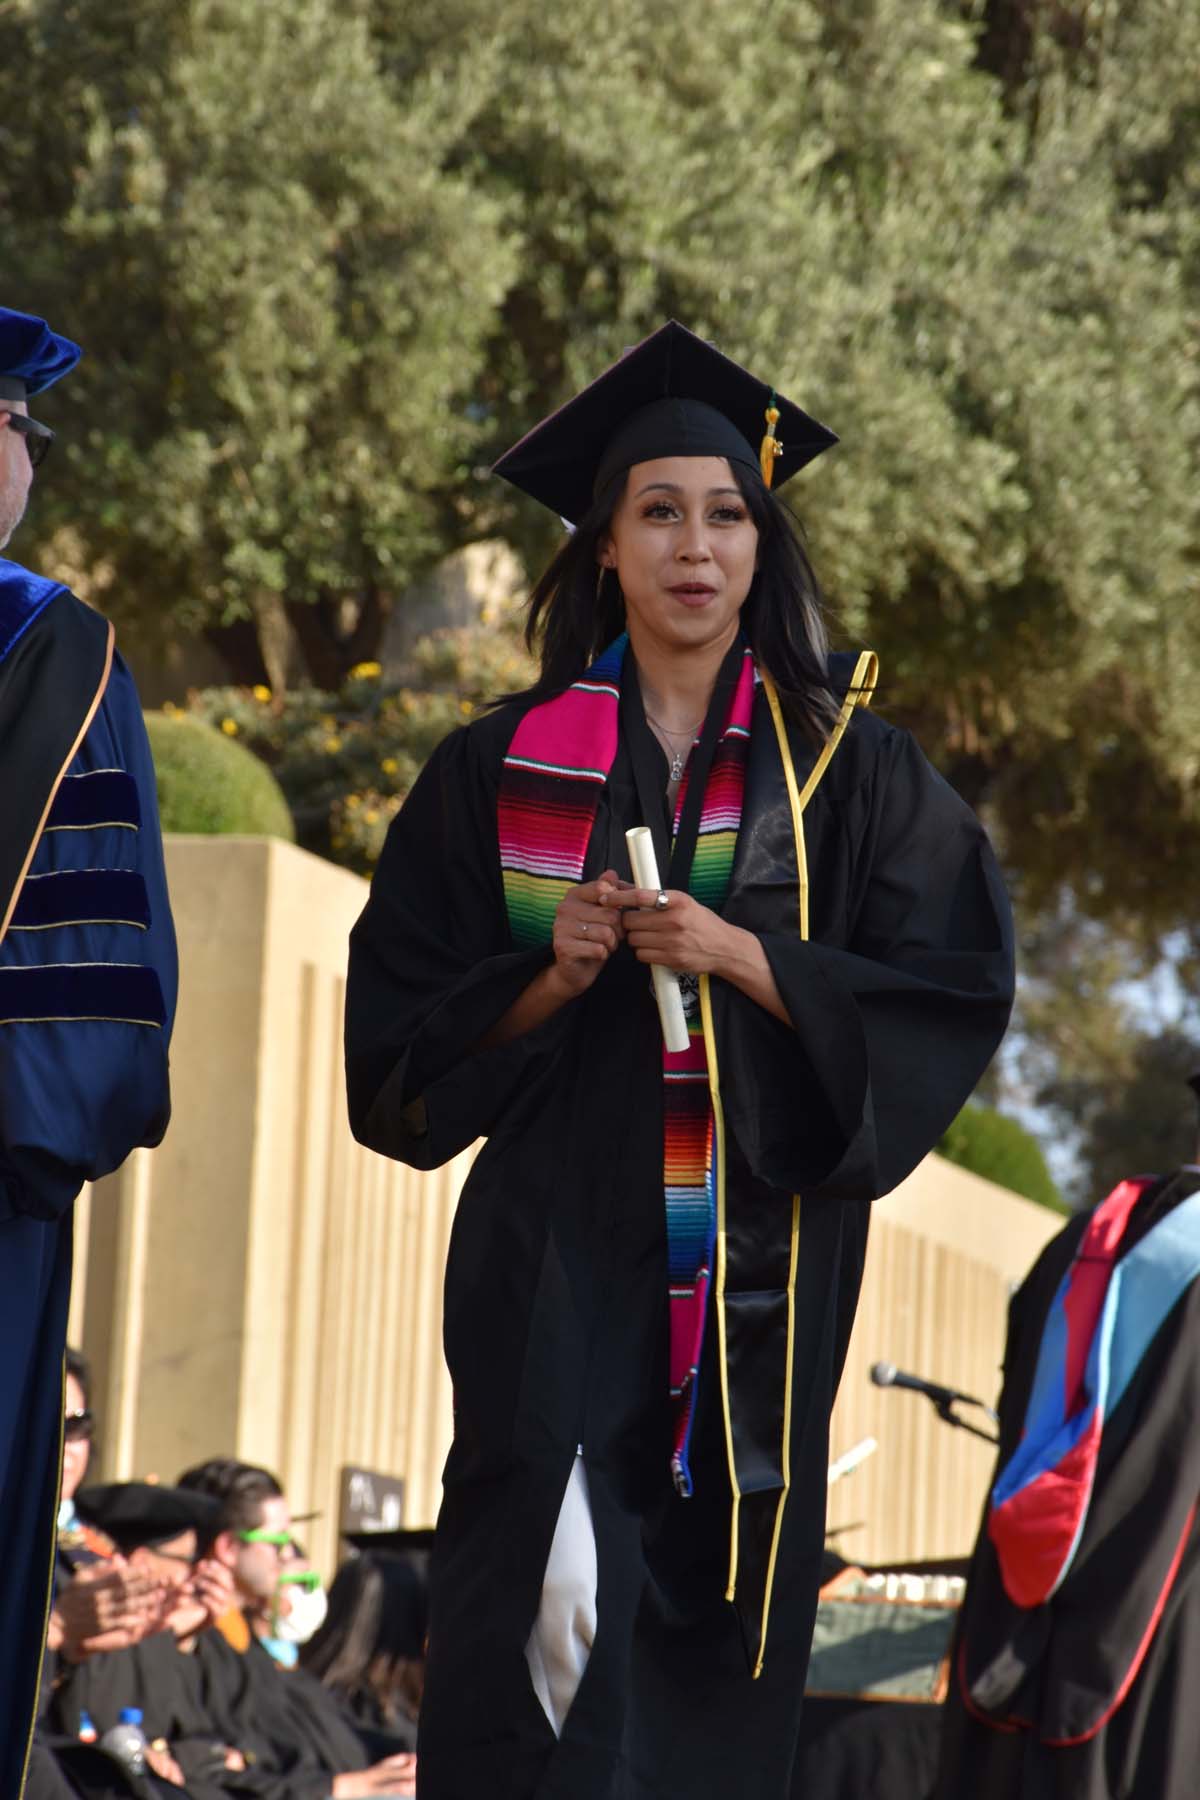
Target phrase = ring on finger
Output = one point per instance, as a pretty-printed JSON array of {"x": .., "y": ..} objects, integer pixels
[
  {"x": 584, "y": 928},
  {"x": 663, "y": 901}
]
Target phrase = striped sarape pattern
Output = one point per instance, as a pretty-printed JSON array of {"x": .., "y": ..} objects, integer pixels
[{"x": 557, "y": 763}]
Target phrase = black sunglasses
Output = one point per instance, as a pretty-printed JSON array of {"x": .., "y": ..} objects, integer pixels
[
  {"x": 38, "y": 437},
  {"x": 78, "y": 1425}
]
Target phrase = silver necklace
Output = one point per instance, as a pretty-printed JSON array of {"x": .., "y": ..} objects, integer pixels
[{"x": 677, "y": 756}]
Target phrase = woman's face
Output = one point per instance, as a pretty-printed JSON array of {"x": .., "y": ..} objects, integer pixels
[
  {"x": 75, "y": 1449},
  {"x": 684, "y": 547}
]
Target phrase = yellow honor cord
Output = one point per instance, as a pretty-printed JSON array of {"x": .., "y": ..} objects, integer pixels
[{"x": 770, "y": 447}]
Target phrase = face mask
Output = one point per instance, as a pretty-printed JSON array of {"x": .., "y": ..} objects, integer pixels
[{"x": 306, "y": 1615}]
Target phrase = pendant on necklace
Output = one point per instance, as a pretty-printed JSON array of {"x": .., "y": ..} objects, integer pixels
[{"x": 676, "y": 767}]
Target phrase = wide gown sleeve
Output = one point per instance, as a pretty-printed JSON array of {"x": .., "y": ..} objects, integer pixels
[
  {"x": 88, "y": 975},
  {"x": 432, "y": 968},
  {"x": 891, "y": 1028}
]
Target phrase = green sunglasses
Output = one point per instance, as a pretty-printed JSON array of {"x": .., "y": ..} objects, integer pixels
[{"x": 308, "y": 1579}]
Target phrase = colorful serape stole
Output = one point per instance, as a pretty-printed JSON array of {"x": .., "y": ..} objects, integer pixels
[{"x": 558, "y": 761}]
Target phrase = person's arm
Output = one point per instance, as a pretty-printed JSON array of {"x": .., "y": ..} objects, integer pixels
[
  {"x": 88, "y": 973},
  {"x": 893, "y": 1011},
  {"x": 586, "y": 933}
]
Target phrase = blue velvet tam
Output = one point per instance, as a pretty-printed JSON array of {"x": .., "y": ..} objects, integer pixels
[{"x": 32, "y": 357}]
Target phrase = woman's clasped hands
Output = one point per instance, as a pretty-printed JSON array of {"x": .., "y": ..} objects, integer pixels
[{"x": 593, "y": 920}]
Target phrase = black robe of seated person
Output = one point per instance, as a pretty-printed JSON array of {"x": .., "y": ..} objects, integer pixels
[
  {"x": 159, "y": 1679},
  {"x": 294, "y": 1735}
]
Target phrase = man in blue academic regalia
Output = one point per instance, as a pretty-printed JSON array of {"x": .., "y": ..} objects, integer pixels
[{"x": 87, "y": 996}]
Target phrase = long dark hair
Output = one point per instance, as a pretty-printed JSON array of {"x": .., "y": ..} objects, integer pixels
[
  {"x": 577, "y": 608},
  {"x": 373, "y": 1632}
]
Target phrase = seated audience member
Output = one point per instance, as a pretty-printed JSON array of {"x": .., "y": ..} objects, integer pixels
[
  {"x": 161, "y": 1532},
  {"x": 300, "y": 1606},
  {"x": 370, "y": 1651},
  {"x": 288, "y": 1721},
  {"x": 113, "y": 1603},
  {"x": 99, "y": 1600}
]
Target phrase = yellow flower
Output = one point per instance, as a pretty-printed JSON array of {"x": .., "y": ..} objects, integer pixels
[
  {"x": 464, "y": 706},
  {"x": 370, "y": 817},
  {"x": 389, "y": 765},
  {"x": 261, "y": 692},
  {"x": 366, "y": 671},
  {"x": 229, "y": 727},
  {"x": 333, "y": 745}
]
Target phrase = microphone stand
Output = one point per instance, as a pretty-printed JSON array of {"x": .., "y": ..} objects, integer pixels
[{"x": 946, "y": 1413}]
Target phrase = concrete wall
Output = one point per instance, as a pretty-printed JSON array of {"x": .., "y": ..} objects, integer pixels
[{"x": 261, "y": 1286}]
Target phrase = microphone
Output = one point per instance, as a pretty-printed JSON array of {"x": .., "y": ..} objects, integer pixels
[
  {"x": 943, "y": 1399},
  {"x": 886, "y": 1374}
]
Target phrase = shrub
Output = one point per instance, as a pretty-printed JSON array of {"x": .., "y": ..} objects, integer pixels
[
  {"x": 346, "y": 760},
  {"x": 207, "y": 783},
  {"x": 989, "y": 1144}
]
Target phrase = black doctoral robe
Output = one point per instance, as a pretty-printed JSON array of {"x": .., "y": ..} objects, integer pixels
[
  {"x": 555, "y": 1317},
  {"x": 1103, "y": 1676}
]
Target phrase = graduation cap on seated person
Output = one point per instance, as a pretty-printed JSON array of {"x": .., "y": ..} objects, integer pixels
[
  {"x": 673, "y": 394},
  {"x": 396, "y": 1540},
  {"x": 32, "y": 357},
  {"x": 141, "y": 1514}
]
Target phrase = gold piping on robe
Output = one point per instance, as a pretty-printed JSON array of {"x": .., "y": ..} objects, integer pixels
[
  {"x": 714, "y": 1088},
  {"x": 859, "y": 693}
]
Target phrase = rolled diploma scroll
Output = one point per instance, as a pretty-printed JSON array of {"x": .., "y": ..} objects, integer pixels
[{"x": 666, "y": 988}]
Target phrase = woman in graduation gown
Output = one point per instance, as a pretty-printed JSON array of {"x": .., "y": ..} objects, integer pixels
[{"x": 656, "y": 1258}]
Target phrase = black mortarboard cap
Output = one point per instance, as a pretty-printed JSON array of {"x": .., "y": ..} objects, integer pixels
[
  {"x": 398, "y": 1540},
  {"x": 32, "y": 357},
  {"x": 141, "y": 1513},
  {"x": 671, "y": 395}
]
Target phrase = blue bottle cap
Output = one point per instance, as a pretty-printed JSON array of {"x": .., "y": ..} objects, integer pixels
[{"x": 130, "y": 1715}]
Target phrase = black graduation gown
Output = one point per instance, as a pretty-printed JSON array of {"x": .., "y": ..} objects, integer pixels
[
  {"x": 555, "y": 1319},
  {"x": 292, "y": 1732},
  {"x": 160, "y": 1679},
  {"x": 1068, "y": 1662}
]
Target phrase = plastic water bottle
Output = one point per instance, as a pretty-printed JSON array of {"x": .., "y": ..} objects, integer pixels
[
  {"x": 125, "y": 1741},
  {"x": 87, "y": 1730}
]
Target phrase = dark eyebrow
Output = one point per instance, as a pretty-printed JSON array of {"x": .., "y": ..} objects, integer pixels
[{"x": 672, "y": 487}]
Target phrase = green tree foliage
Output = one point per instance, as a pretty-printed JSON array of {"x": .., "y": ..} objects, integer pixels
[
  {"x": 282, "y": 290},
  {"x": 211, "y": 785},
  {"x": 328, "y": 258},
  {"x": 994, "y": 320},
  {"x": 1104, "y": 1046},
  {"x": 991, "y": 1145}
]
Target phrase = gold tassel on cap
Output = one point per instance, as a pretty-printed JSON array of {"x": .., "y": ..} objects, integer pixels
[{"x": 770, "y": 447}]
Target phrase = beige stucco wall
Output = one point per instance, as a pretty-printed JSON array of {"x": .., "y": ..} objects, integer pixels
[
  {"x": 261, "y": 1286},
  {"x": 944, "y": 1252}
]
